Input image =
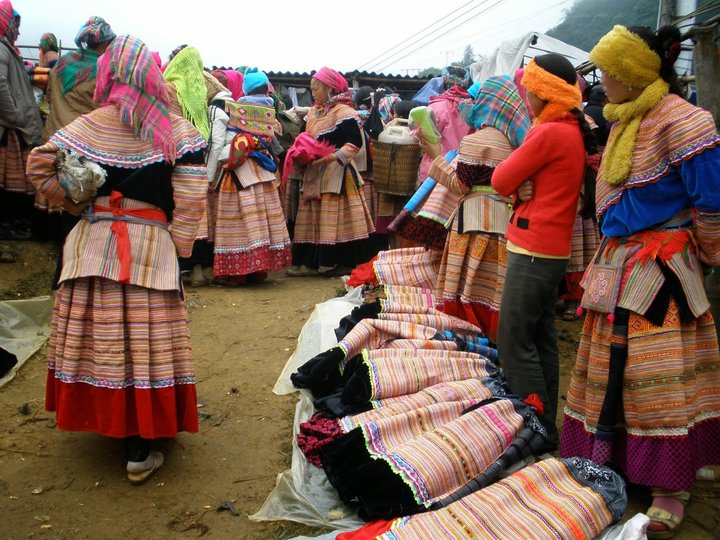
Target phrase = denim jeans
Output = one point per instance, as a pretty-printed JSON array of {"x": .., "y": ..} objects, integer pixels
[{"x": 527, "y": 339}]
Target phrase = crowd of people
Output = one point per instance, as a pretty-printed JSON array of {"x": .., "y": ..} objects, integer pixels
[{"x": 200, "y": 183}]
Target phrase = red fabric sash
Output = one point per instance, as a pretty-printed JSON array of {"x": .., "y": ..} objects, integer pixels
[{"x": 120, "y": 230}]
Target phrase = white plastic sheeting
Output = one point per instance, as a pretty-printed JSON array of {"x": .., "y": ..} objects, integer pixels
[
  {"x": 515, "y": 53},
  {"x": 24, "y": 328},
  {"x": 303, "y": 493}
]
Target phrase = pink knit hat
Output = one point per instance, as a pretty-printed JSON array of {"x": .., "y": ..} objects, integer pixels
[{"x": 331, "y": 78}]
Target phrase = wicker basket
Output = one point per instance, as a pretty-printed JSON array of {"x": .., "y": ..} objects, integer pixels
[{"x": 395, "y": 167}]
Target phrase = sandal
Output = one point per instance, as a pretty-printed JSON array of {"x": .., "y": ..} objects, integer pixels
[
  {"x": 139, "y": 477},
  {"x": 570, "y": 313},
  {"x": 664, "y": 517}
]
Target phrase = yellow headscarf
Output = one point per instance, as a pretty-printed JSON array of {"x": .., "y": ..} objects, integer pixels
[
  {"x": 627, "y": 58},
  {"x": 185, "y": 71}
]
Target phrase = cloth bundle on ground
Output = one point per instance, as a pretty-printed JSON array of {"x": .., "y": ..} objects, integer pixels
[
  {"x": 425, "y": 328},
  {"x": 556, "y": 498},
  {"x": 421, "y": 416}
]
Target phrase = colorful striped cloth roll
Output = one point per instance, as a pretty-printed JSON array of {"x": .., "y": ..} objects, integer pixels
[{"x": 553, "y": 499}]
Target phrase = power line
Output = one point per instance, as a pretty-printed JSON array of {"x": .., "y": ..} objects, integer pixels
[
  {"x": 393, "y": 51},
  {"x": 453, "y": 28},
  {"x": 415, "y": 34}
]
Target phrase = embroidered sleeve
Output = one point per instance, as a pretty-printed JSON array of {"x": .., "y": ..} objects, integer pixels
[
  {"x": 42, "y": 172},
  {"x": 353, "y": 137},
  {"x": 189, "y": 180},
  {"x": 707, "y": 231},
  {"x": 444, "y": 173}
]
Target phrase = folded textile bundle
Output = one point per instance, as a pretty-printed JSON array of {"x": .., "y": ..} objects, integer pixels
[{"x": 555, "y": 498}]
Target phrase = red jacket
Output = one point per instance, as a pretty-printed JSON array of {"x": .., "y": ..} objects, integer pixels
[{"x": 553, "y": 157}]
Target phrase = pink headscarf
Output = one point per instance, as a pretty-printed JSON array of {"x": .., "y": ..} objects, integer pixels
[
  {"x": 6, "y": 16},
  {"x": 129, "y": 78},
  {"x": 234, "y": 82},
  {"x": 523, "y": 92},
  {"x": 331, "y": 78}
]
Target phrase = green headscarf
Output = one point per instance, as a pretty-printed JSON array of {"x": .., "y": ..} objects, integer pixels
[{"x": 185, "y": 71}]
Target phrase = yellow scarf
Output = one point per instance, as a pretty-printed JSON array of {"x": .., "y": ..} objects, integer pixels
[
  {"x": 617, "y": 159},
  {"x": 627, "y": 58}
]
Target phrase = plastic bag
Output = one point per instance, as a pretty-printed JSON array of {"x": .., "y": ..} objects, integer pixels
[{"x": 79, "y": 177}]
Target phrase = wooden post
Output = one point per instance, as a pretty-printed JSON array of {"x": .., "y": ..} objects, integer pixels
[
  {"x": 666, "y": 12},
  {"x": 707, "y": 68}
]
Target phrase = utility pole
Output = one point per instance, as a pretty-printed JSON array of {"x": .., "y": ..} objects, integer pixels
[{"x": 666, "y": 12}]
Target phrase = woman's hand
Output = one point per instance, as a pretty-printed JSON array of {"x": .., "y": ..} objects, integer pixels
[
  {"x": 324, "y": 160},
  {"x": 432, "y": 150},
  {"x": 73, "y": 208},
  {"x": 526, "y": 191}
]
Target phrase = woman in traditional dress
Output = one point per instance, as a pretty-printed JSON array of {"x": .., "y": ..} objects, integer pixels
[
  {"x": 189, "y": 92},
  {"x": 333, "y": 224},
  {"x": 426, "y": 227},
  {"x": 20, "y": 129},
  {"x": 645, "y": 389},
  {"x": 119, "y": 355},
  {"x": 472, "y": 272},
  {"x": 250, "y": 235}
]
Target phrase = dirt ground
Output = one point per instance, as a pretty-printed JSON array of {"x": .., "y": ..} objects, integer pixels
[{"x": 72, "y": 485}]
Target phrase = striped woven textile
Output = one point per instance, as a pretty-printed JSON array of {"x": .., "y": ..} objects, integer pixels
[
  {"x": 13, "y": 160},
  {"x": 671, "y": 132},
  {"x": 416, "y": 267},
  {"x": 670, "y": 396},
  {"x": 440, "y": 205},
  {"x": 468, "y": 392},
  {"x": 472, "y": 274},
  {"x": 553, "y": 499},
  {"x": 321, "y": 122},
  {"x": 334, "y": 218},
  {"x": 375, "y": 334},
  {"x": 120, "y": 360},
  {"x": 583, "y": 244},
  {"x": 402, "y": 294},
  {"x": 437, "y": 449},
  {"x": 250, "y": 233},
  {"x": 91, "y": 250},
  {"x": 399, "y": 372},
  {"x": 641, "y": 280}
]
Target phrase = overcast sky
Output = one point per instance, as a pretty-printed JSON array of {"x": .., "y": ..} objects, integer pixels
[{"x": 302, "y": 36}]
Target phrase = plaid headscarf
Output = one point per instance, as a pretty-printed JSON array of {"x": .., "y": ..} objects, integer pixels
[
  {"x": 498, "y": 104},
  {"x": 185, "y": 71},
  {"x": 95, "y": 30},
  {"x": 386, "y": 106},
  {"x": 453, "y": 75},
  {"x": 7, "y": 20},
  {"x": 129, "y": 79},
  {"x": 48, "y": 42}
]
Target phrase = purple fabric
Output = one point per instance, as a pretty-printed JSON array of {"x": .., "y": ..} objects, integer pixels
[{"x": 661, "y": 462}]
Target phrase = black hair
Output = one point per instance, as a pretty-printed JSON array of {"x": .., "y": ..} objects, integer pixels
[
  {"x": 262, "y": 89},
  {"x": 561, "y": 67},
  {"x": 361, "y": 96},
  {"x": 403, "y": 108},
  {"x": 665, "y": 42}
]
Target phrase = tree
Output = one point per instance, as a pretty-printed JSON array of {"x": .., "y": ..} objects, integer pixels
[
  {"x": 430, "y": 72},
  {"x": 467, "y": 59},
  {"x": 588, "y": 20}
]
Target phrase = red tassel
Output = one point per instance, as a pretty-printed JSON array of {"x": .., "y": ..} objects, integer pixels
[
  {"x": 534, "y": 401},
  {"x": 579, "y": 311},
  {"x": 611, "y": 318}
]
